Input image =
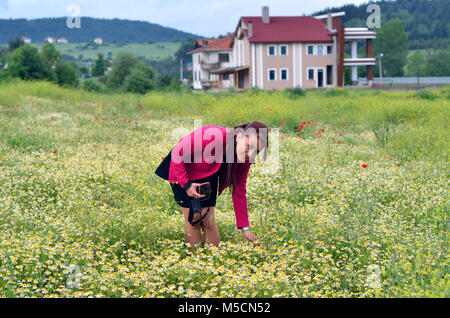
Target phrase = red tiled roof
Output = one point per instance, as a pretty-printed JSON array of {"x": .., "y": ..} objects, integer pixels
[
  {"x": 222, "y": 44},
  {"x": 288, "y": 29}
]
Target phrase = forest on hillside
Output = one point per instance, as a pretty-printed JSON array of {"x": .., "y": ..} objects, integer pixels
[
  {"x": 110, "y": 30},
  {"x": 425, "y": 21}
]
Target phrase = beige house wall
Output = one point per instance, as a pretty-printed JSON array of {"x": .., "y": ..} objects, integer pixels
[
  {"x": 315, "y": 62},
  {"x": 297, "y": 62},
  {"x": 277, "y": 63}
]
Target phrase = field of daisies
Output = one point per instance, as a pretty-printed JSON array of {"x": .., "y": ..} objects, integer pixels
[{"x": 357, "y": 206}]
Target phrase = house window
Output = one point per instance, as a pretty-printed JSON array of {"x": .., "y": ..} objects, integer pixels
[
  {"x": 224, "y": 57},
  {"x": 226, "y": 77},
  {"x": 283, "y": 50},
  {"x": 320, "y": 49},
  {"x": 284, "y": 74},
  {"x": 310, "y": 50},
  {"x": 271, "y": 50},
  {"x": 310, "y": 73},
  {"x": 329, "y": 49},
  {"x": 272, "y": 75}
]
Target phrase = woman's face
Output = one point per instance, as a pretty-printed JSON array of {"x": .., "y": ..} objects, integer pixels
[{"x": 246, "y": 147}]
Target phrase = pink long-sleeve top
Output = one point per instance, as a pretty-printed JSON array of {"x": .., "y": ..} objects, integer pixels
[{"x": 201, "y": 143}]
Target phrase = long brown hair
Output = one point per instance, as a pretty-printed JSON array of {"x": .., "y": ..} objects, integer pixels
[{"x": 263, "y": 141}]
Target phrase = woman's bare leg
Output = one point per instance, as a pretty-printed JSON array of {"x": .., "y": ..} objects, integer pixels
[
  {"x": 211, "y": 233},
  {"x": 192, "y": 234}
]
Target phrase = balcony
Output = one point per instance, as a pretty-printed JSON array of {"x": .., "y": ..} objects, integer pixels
[
  {"x": 209, "y": 66},
  {"x": 206, "y": 84},
  {"x": 359, "y": 61}
]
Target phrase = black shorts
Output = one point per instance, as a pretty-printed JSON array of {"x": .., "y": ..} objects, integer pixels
[{"x": 182, "y": 198}]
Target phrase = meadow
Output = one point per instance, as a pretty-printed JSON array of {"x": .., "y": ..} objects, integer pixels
[
  {"x": 358, "y": 206},
  {"x": 151, "y": 51}
]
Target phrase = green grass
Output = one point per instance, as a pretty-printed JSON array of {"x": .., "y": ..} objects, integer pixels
[
  {"x": 81, "y": 190},
  {"x": 154, "y": 51}
]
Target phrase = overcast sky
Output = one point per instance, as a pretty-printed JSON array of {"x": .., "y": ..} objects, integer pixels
[{"x": 202, "y": 17}]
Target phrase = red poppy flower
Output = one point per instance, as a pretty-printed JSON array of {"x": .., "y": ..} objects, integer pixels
[
  {"x": 282, "y": 124},
  {"x": 54, "y": 151},
  {"x": 364, "y": 166}
]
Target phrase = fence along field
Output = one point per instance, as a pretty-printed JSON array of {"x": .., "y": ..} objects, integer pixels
[{"x": 358, "y": 208}]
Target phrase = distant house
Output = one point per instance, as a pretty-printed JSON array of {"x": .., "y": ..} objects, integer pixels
[
  {"x": 62, "y": 40},
  {"x": 285, "y": 52},
  {"x": 50, "y": 39},
  {"x": 98, "y": 41},
  {"x": 210, "y": 56},
  {"x": 26, "y": 40}
]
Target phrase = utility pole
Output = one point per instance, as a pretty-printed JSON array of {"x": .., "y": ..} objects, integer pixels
[
  {"x": 181, "y": 69},
  {"x": 381, "y": 71}
]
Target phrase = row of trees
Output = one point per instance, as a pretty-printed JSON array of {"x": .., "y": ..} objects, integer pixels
[
  {"x": 436, "y": 64},
  {"x": 27, "y": 63},
  {"x": 124, "y": 74},
  {"x": 109, "y": 30},
  {"x": 392, "y": 43}
]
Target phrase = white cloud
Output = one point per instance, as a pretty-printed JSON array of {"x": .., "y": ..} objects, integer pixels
[{"x": 203, "y": 17}]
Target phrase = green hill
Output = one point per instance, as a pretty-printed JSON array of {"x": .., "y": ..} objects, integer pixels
[
  {"x": 89, "y": 51},
  {"x": 110, "y": 30}
]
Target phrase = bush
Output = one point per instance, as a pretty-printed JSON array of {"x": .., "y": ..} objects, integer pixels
[
  {"x": 295, "y": 92},
  {"x": 66, "y": 74},
  {"x": 27, "y": 64},
  {"x": 141, "y": 79},
  {"x": 424, "y": 94},
  {"x": 333, "y": 92},
  {"x": 92, "y": 85},
  {"x": 121, "y": 69},
  {"x": 175, "y": 85}
]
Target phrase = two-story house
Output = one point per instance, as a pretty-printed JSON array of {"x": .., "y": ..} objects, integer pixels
[
  {"x": 211, "y": 55},
  {"x": 294, "y": 51}
]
